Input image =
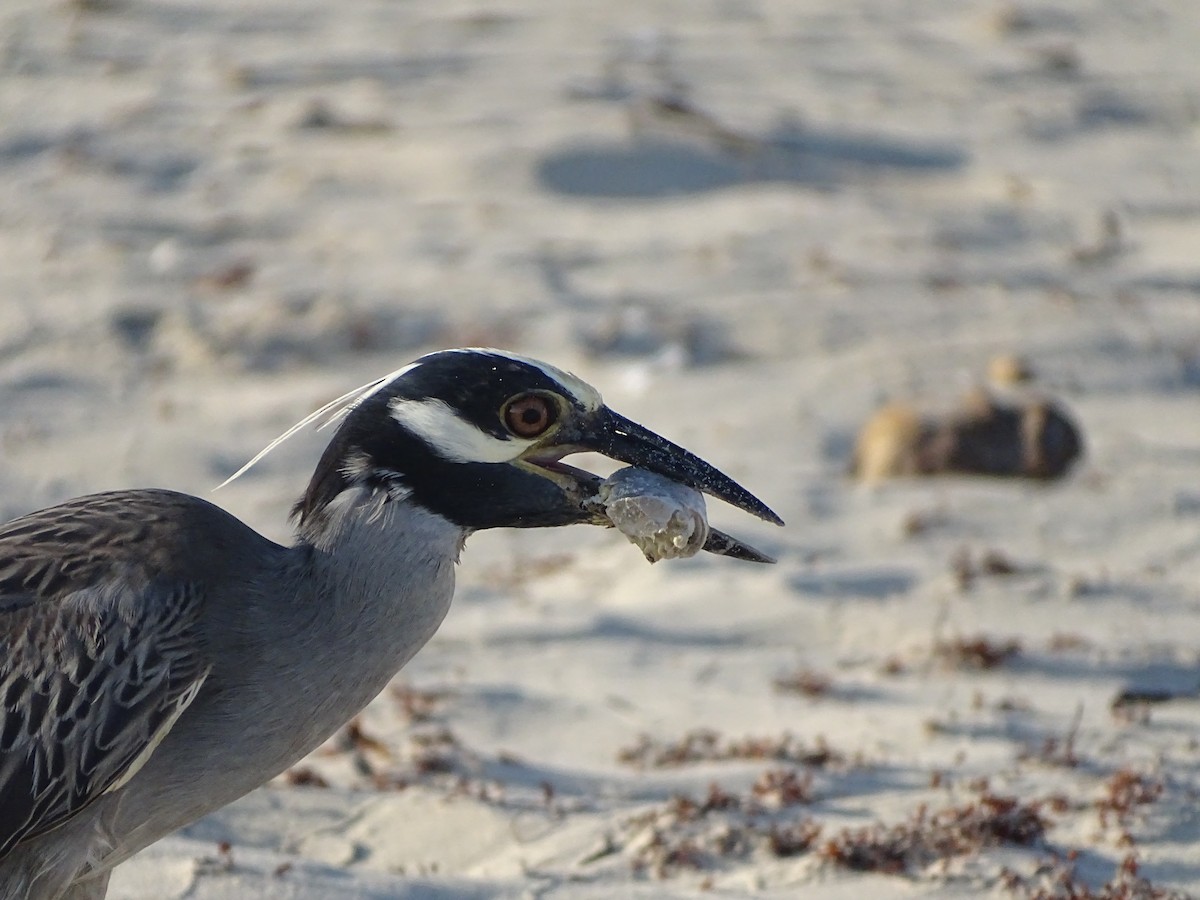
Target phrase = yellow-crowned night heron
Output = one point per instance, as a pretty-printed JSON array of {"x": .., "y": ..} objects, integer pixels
[{"x": 159, "y": 659}]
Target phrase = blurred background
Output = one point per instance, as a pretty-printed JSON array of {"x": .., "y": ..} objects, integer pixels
[
  {"x": 874, "y": 198},
  {"x": 752, "y": 224}
]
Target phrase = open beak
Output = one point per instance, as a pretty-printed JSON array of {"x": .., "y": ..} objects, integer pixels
[
  {"x": 626, "y": 441},
  {"x": 618, "y": 438}
]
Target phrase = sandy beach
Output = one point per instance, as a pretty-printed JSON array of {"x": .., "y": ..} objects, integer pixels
[{"x": 748, "y": 223}]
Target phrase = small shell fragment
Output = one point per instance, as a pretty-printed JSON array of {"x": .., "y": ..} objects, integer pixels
[{"x": 665, "y": 519}]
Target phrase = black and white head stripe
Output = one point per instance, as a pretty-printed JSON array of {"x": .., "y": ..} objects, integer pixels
[
  {"x": 450, "y": 399},
  {"x": 440, "y": 433},
  {"x": 463, "y": 367}
]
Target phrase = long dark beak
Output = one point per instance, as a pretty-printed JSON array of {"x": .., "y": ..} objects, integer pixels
[
  {"x": 626, "y": 441},
  {"x": 618, "y": 438}
]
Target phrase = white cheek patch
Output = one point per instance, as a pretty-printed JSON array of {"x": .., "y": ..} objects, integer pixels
[{"x": 452, "y": 438}]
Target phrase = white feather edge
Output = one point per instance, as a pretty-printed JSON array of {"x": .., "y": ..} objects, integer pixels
[{"x": 333, "y": 411}]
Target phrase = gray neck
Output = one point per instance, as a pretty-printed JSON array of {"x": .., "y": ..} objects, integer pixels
[
  {"x": 379, "y": 582},
  {"x": 371, "y": 583},
  {"x": 381, "y": 573}
]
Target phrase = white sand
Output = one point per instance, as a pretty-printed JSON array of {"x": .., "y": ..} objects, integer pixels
[{"x": 903, "y": 191}]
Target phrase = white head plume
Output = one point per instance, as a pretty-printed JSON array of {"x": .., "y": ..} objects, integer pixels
[{"x": 333, "y": 411}]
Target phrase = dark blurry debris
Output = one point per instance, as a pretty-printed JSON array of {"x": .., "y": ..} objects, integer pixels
[
  {"x": 975, "y": 653},
  {"x": 1186, "y": 503},
  {"x": 303, "y": 776},
  {"x": 356, "y": 738},
  {"x": 919, "y": 522},
  {"x": 319, "y": 115},
  {"x": 676, "y": 115},
  {"x": 606, "y": 849},
  {"x": 1130, "y": 713},
  {"x": 1056, "y": 878},
  {"x": 1013, "y": 705},
  {"x": 1105, "y": 108},
  {"x": 935, "y": 727},
  {"x": 793, "y": 838},
  {"x": 781, "y": 788},
  {"x": 1078, "y": 586},
  {"x": 435, "y": 752},
  {"x": 353, "y": 739},
  {"x": 1131, "y": 697},
  {"x": 1011, "y": 19},
  {"x": 95, "y": 6},
  {"x": 944, "y": 282},
  {"x": 1060, "y": 59},
  {"x": 1020, "y": 19},
  {"x": 1098, "y": 110},
  {"x": 606, "y": 88},
  {"x": 704, "y": 745},
  {"x": 1124, "y": 792},
  {"x": 1107, "y": 246},
  {"x": 805, "y": 682},
  {"x": 432, "y": 755},
  {"x": 229, "y": 277},
  {"x": 983, "y": 437},
  {"x": 418, "y": 705},
  {"x": 389, "y": 68},
  {"x": 991, "y": 563},
  {"x": 1066, "y": 642},
  {"x": 703, "y": 834},
  {"x": 486, "y": 21},
  {"x": 135, "y": 326},
  {"x": 1056, "y": 751},
  {"x": 220, "y": 864},
  {"x": 926, "y": 838}
]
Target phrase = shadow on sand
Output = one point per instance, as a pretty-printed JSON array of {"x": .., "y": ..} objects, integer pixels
[{"x": 661, "y": 166}]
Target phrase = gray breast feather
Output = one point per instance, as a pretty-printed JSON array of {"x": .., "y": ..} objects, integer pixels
[{"x": 99, "y": 655}]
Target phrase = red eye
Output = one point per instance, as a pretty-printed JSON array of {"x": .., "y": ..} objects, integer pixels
[{"x": 529, "y": 415}]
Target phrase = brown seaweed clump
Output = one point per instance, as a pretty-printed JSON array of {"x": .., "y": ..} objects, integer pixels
[{"x": 1030, "y": 439}]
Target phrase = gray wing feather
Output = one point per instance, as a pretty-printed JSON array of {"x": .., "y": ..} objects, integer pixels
[{"x": 98, "y": 655}]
